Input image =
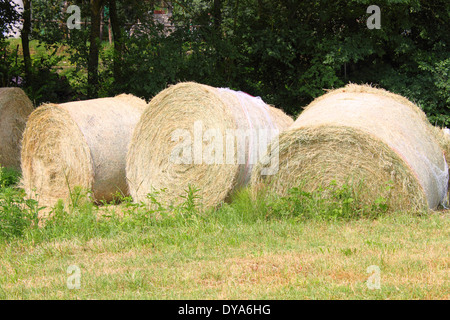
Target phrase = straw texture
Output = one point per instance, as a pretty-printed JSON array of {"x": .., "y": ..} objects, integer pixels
[{"x": 15, "y": 107}]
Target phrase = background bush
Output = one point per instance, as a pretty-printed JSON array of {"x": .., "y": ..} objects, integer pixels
[{"x": 285, "y": 51}]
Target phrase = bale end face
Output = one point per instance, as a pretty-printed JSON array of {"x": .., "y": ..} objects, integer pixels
[
  {"x": 55, "y": 156},
  {"x": 315, "y": 157}
]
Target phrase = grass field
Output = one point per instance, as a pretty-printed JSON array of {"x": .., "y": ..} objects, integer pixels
[{"x": 240, "y": 251}]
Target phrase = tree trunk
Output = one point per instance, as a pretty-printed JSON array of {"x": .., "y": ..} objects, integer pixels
[
  {"x": 236, "y": 13},
  {"x": 221, "y": 64},
  {"x": 25, "y": 35},
  {"x": 93, "y": 84},
  {"x": 101, "y": 25},
  {"x": 118, "y": 43},
  {"x": 217, "y": 15},
  {"x": 64, "y": 25},
  {"x": 109, "y": 31}
]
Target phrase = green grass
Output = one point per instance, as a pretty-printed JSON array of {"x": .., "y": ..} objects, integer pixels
[
  {"x": 248, "y": 249},
  {"x": 208, "y": 259}
]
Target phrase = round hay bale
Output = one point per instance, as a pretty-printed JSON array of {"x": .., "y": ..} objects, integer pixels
[
  {"x": 15, "y": 107},
  {"x": 82, "y": 144},
  {"x": 367, "y": 136},
  {"x": 193, "y": 134}
]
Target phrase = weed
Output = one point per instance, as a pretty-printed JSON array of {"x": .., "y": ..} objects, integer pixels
[
  {"x": 326, "y": 203},
  {"x": 17, "y": 214}
]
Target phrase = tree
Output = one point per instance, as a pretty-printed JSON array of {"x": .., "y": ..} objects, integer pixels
[
  {"x": 217, "y": 14},
  {"x": 94, "y": 43},
  {"x": 25, "y": 35},
  {"x": 118, "y": 41},
  {"x": 8, "y": 66},
  {"x": 285, "y": 51}
]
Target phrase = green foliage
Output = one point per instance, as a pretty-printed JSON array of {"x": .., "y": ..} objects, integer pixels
[
  {"x": 80, "y": 218},
  {"x": 9, "y": 16},
  {"x": 329, "y": 203},
  {"x": 49, "y": 25},
  {"x": 17, "y": 214},
  {"x": 46, "y": 84},
  {"x": 8, "y": 177},
  {"x": 192, "y": 200},
  {"x": 285, "y": 51},
  {"x": 10, "y": 68}
]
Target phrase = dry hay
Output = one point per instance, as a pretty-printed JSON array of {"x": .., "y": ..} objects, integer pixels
[
  {"x": 79, "y": 144},
  {"x": 366, "y": 136},
  {"x": 185, "y": 137},
  {"x": 15, "y": 107}
]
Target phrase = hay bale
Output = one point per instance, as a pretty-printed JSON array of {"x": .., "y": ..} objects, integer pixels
[
  {"x": 81, "y": 144},
  {"x": 15, "y": 107},
  {"x": 359, "y": 133},
  {"x": 186, "y": 136}
]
